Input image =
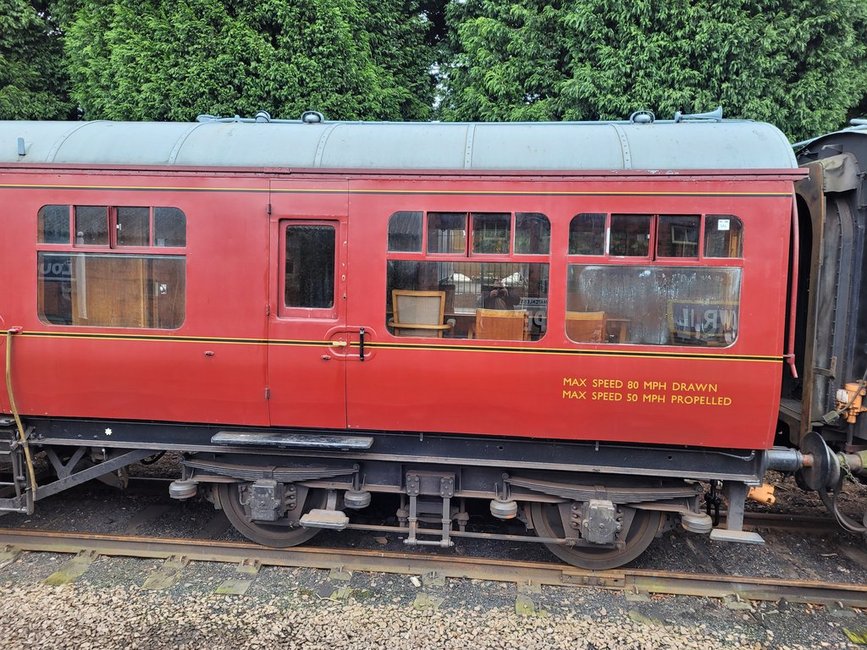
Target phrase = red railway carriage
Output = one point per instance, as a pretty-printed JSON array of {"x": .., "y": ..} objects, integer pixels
[{"x": 568, "y": 320}]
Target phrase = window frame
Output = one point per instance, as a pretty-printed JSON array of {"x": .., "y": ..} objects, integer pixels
[
  {"x": 114, "y": 228},
  {"x": 669, "y": 318},
  {"x": 699, "y": 245},
  {"x": 701, "y": 261},
  {"x": 719, "y": 215},
  {"x": 285, "y": 311},
  {"x": 111, "y": 249},
  {"x": 652, "y": 258},
  {"x": 468, "y": 256}
]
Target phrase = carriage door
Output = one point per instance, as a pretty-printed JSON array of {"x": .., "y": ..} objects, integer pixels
[{"x": 307, "y": 312}]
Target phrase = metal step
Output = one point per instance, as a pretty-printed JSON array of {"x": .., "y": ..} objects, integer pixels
[
  {"x": 292, "y": 440},
  {"x": 331, "y": 519}
]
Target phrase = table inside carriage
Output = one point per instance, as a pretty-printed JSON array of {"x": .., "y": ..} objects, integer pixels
[{"x": 463, "y": 325}]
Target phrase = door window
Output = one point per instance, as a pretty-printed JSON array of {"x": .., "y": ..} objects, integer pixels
[{"x": 308, "y": 271}]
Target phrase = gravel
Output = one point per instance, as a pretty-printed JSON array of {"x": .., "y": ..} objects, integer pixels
[
  {"x": 311, "y": 609},
  {"x": 303, "y": 608},
  {"x": 126, "y": 617}
]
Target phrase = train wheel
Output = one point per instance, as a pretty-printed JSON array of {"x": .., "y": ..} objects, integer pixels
[
  {"x": 642, "y": 530},
  {"x": 281, "y": 533}
]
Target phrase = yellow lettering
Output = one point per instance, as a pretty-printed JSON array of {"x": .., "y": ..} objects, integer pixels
[
  {"x": 607, "y": 383},
  {"x": 607, "y": 396},
  {"x": 689, "y": 387}
]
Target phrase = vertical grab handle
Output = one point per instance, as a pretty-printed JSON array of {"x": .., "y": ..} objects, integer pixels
[
  {"x": 793, "y": 291},
  {"x": 361, "y": 344}
]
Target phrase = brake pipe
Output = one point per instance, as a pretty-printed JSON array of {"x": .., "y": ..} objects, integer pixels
[{"x": 10, "y": 393}]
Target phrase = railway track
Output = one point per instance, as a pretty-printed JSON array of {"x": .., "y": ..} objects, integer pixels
[{"x": 634, "y": 583}]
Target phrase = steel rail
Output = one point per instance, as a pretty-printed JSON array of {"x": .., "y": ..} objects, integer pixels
[
  {"x": 631, "y": 581},
  {"x": 817, "y": 524}
]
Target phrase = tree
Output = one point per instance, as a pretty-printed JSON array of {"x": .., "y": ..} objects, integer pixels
[
  {"x": 165, "y": 60},
  {"x": 33, "y": 82},
  {"x": 799, "y": 64}
]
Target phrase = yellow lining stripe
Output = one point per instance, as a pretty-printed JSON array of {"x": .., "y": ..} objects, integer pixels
[
  {"x": 627, "y": 354},
  {"x": 304, "y": 190}
]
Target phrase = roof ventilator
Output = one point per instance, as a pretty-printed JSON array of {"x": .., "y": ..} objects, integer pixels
[
  {"x": 312, "y": 117},
  {"x": 22, "y": 149},
  {"x": 711, "y": 116},
  {"x": 264, "y": 117},
  {"x": 642, "y": 117}
]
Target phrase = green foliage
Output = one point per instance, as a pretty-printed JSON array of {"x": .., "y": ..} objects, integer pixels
[
  {"x": 33, "y": 83},
  {"x": 165, "y": 60},
  {"x": 798, "y": 64}
]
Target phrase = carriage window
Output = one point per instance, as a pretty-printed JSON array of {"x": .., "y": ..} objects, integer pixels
[
  {"x": 446, "y": 232},
  {"x": 532, "y": 234},
  {"x": 630, "y": 235},
  {"x": 53, "y": 224},
  {"x": 404, "y": 232},
  {"x": 309, "y": 270},
  {"x": 133, "y": 226},
  {"x": 170, "y": 227},
  {"x": 91, "y": 225},
  {"x": 497, "y": 300},
  {"x": 723, "y": 236},
  {"x": 452, "y": 294},
  {"x": 491, "y": 232},
  {"x": 115, "y": 288},
  {"x": 677, "y": 236},
  {"x": 146, "y": 291},
  {"x": 587, "y": 234},
  {"x": 653, "y": 305}
]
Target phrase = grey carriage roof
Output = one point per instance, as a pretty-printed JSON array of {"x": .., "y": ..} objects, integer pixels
[{"x": 542, "y": 146}]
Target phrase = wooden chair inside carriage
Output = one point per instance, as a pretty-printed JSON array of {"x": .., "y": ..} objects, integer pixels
[
  {"x": 418, "y": 313},
  {"x": 501, "y": 325},
  {"x": 585, "y": 326}
]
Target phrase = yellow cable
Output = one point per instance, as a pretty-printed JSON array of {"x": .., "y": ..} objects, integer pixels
[{"x": 21, "y": 435}]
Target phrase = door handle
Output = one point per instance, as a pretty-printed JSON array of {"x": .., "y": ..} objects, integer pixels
[{"x": 361, "y": 344}]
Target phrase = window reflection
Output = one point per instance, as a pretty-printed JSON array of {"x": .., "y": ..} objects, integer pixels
[
  {"x": 677, "y": 236},
  {"x": 170, "y": 227},
  {"x": 145, "y": 291},
  {"x": 446, "y": 232},
  {"x": 476, "y": 297},
  {"x": 133, "y": 226},
  {"x": 309, "y": 269},
  {"x": 53, "y": 224},
  {"x": 404, "y": 232},
  {"x": 91, "y": 225},
  {"x": 654, "y": 305},
  {"x": 587, "y": 234},
  {"x": 630, "y": 235},
  {"x": 723, "y": 236},
  {"x": 491, "y": 232},
  {"x": 532, "y": 233}
]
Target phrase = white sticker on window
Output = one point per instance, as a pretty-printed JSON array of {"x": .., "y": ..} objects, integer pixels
[{"x": 723, "y": 224}]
